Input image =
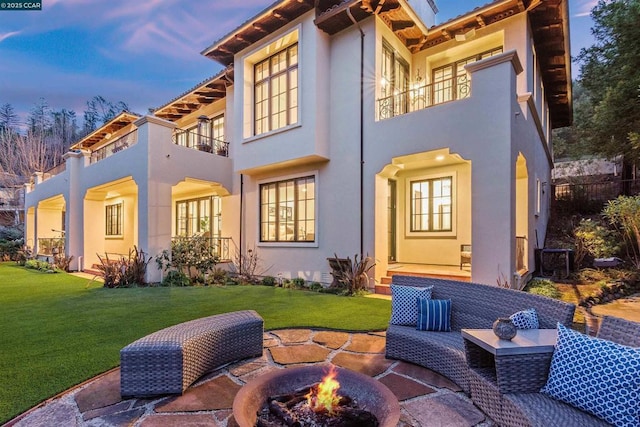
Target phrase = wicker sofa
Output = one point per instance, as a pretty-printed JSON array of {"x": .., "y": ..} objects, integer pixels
[
  {"x": 536, "y": 409},
  {"x": 170, "y": 360},
  {"x": 473, "y": 306}
]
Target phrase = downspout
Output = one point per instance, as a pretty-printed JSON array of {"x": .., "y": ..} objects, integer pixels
[
  {"x": 241, "y": 223},
  {"x": 361, "y": 130}
]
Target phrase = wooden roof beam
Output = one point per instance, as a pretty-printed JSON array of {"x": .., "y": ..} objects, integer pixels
[
  {"x": 401, "y": 25},
  {"x": 480, "y": 20},
  {"x": 379, "y": 8},
  {"x": 447, "y": 35}
]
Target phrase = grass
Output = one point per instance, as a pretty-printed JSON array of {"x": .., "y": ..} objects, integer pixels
[{"x": 58, "y": 330}]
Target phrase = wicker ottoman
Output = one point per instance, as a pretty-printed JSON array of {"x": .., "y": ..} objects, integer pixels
[{"x": 170, "y": 360}]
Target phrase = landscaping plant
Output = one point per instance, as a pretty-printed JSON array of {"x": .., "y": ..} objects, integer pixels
[
  {"x": 353, "y": 276},
  {"x": 624, "y": 214},
  {"x": 595, "y": 240},
  {"x": 190, "y": 255}
]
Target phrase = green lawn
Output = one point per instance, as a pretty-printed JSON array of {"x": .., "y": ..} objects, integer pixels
[{"x": 57, "y": 330}]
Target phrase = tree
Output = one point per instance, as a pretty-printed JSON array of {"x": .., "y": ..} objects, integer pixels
[
  {"x": 99, "y": 111},
  {"x": 610, "y": 74},
  {"x": 8, "y": 118}
]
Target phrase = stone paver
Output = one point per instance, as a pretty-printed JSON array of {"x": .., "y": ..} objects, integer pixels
[
  {"x": 180, "y": 420},
  {"x": 445, "y": 410},
  {"x": 293, "y": 336},
  {"x": 215, "y": 394},
  {"x": 426, "y": 376},
  {"x": 294, "y": 354},
  {"x": 105, "y": 391},
  {"x": 366, "y": 343},
  {"x": 330, "y": 339},
  {"x": 405, "y": 388},
  {"x": 368, "y": 364},
  {"x": 426, "y": 398}
]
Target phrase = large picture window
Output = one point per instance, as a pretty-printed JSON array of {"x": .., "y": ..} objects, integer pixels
[
  {"x": 113, "y": 219},
  {"x": 431, "y": 205},
  {"x": 287, "y": 210},
  {"x": 276, "y": 91},
  {"x": 198, "y": 216}
]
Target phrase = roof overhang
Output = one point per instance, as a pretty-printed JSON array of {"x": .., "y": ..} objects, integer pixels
[
  {"x": 207, "y": 92},
  {"x": 549, "y": 23},
  {"x": 114, "y": 125},
  {"x": 274, "y": 17}
]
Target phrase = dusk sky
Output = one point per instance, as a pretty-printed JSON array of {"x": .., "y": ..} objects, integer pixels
[{"x": 142, "y": 52}]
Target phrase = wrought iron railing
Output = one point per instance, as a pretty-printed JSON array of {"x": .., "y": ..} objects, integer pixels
[
  {"x": 520, "y": 252},
  {"x": 596, "y": 191},
  {"x": 122, "y": 143},
  {"x": 56, "y": 170},
  {"x": 218, "y": 246},
  {"x": 424, "y": 96},
  {"x": 51, "y": 246},
  {"x": 190, "y": 138}
]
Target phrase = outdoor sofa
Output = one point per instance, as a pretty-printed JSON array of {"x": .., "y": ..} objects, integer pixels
[
  {"x": 601, "y": 378},
  {"x": 473, "y": 306},
  {"x": 170, "y": 360}
]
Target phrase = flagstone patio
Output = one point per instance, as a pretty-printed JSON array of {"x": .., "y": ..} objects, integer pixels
[{"x": 426, "y": 398}]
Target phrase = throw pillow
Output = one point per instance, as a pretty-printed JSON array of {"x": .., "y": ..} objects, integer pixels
[
  {"x": 598, "y": 376},
  {"x": 526, "y": 319},
  {"x": 434, "y": 315},
  {"x": 404, "y": 303}
]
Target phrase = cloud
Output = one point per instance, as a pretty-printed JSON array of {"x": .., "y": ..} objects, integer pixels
[
  {"x": 583, "y": 8},
  {"x": 4, "y": 36}
]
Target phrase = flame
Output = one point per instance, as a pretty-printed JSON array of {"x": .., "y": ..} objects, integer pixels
[{"x": 325, "y": 397}]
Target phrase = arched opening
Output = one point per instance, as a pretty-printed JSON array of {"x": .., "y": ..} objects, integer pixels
[{"x": 522, "y": 214}]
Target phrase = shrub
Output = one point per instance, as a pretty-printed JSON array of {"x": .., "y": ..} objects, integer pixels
[
  {"x": 268, "y": 281},
  {"x": 624, "y": 214},
  {"x": 298, "y": 283},
  {"x": 218, "y": 276},
  {"x": 39, "y": 265},
  {"x": 316, "y": 286},
  {"x": 176, "y": 278},
  {"x": 353, "y": 276},
  {"x": 592, "y": 238},
  {"x": 248, "y": 265},
  {"x": 62, "y": 261},
  {"x": 190, "y": 255},
  {"x": 543, "y": 287},
  {"x": 123, "y": 272}
]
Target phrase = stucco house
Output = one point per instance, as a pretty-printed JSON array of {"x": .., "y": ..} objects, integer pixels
[{"x": 338, "y": 127}]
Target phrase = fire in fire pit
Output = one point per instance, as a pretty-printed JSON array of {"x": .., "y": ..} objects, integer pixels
[{"x": 294, "y": 397}]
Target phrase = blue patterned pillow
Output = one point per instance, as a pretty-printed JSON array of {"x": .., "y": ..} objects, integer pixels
[
  {"x": 434, "y": 315},
  {"x": 597, "y": 376},
  {"x": 404, "y": 303},
  {"x": 526, "y": 319}
]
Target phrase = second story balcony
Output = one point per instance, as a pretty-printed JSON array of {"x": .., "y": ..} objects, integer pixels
[
  {"x": 191, "y": 138},
  {"x": 424, "y": 96},
  {"x": 122, "y": 143}
]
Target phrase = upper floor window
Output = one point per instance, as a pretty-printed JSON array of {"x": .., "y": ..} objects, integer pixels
[
  {"x": 394, "y": 82},
  {"x": 113, "y": 219},
  {"x": 451, "y": 81},
  {"x": 431, "y": 204},
  {"x": 287, "y": 210},
  {"x": 276, "y": 91}
]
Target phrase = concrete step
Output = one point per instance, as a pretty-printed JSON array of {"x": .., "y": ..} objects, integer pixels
[{"x": 383, "y": 287}]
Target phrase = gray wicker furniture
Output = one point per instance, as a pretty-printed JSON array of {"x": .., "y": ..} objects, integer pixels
[
  {"x": 525, "y": 406},
  {"x": 473, "y": 306},
  {"x": 170, "y": 360}
]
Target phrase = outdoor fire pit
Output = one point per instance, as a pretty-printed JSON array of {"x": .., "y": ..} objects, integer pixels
[{"x": 358, "y": 400}]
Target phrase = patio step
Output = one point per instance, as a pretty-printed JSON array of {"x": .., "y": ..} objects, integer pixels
[
  {"x": 93, "y": 270},
  {"x": 384, "y": 288}
]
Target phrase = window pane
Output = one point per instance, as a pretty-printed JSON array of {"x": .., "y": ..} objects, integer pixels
[
  {"x": 288, "y": 210},
  {"x": 431, "y": 202}
]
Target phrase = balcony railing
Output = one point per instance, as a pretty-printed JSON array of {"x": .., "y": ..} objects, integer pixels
[
  {"x": 424, "y": 96},
  {"x": 520, "y": 251},
  {"x": 218, "y": 246},
  {"x": 51, "y": 245},
  {"x": 56, "y": 170},
  {"x": 190, "y": 138},
  {"x": 122, "y": 143}
]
